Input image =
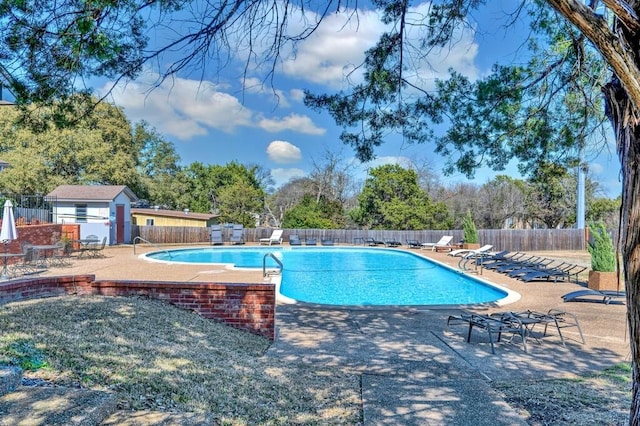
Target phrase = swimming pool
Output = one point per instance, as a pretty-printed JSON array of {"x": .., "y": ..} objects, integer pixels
[{"x": 351, "y": 276}]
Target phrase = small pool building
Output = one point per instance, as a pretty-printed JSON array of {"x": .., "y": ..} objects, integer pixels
[{"x": 101, "y": 210}]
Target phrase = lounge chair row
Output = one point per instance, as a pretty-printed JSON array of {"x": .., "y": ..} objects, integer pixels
[
  {"x": 237, "y": 235},
  {"x": 372, "y": 242},
  {"x": 528, "y": 268},
  {"x": 443, "y": 243},
  {"x": 295, "y": 240},
  {"x": 519, "y": 325}
]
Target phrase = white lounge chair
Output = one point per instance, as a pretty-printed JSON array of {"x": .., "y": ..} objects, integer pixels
[
  {"x": 275, "y": 238},
  {"x": 444, "y": 242},
  {"x": 470, "y": 252}
]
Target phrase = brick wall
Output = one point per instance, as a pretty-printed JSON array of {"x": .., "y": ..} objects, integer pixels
[
  {"x": 35, "y": 234},
  {"x": 249, "y": 307}
]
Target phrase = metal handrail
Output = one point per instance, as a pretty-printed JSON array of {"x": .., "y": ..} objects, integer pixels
[
  {"x": 149, "y": 242},
  {"x": 264, "y": 263},
  {"x": 476, "y": 260}
]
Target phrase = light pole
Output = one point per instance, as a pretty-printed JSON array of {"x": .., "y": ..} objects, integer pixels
[{"x": 580, "y": 211}]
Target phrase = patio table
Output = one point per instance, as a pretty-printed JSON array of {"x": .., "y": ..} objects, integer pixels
[
  {"x": 85, "y": 244},
  {"x": 43, "y": 252}
]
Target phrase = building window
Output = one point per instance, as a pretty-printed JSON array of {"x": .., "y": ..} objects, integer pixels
[
  {"x": 81, "y": 213},
  {"x": 149, "y": 222}
]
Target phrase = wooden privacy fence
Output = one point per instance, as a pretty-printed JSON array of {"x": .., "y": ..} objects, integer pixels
[{"x": 501, "y": 239}]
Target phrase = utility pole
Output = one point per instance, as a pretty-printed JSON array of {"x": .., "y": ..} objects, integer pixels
[{"x": 580, "y": 213}]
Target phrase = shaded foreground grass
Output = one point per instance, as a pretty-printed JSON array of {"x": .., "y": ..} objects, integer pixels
[
  {"x": 157, "y": 357},
  {"x": 602, "y": 399}
]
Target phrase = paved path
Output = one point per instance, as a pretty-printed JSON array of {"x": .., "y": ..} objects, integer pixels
[{"x": 415, "y": 371}]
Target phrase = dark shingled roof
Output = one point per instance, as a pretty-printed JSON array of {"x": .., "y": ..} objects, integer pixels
[{"x": 90, "y": 192}]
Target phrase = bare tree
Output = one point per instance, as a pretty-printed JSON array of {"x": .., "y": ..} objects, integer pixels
[
  {"x": 332, "y": 177},
  {"x": 501, "y": 203}
]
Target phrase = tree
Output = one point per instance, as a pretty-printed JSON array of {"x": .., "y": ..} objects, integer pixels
[
  {"x": 603, "y": 255},
  {"x": 331, "y": 178},
  {"x": 605, "y": 210},
  {"x": 240, "y": 202},
  {"x": 314, "y": 214},
  {"x": 501, "y": 203},
  {"x": 459, "y": 199},
  {"x": 392, "y": 199},
  {"x": 98, "y": 150},
  {"x": 285, "y": 198},
  {"x": 550, "y": 197},
  {"x": 232, "y": 190},
  {"x": 469, "y": 228},
  {"x": 158, "y": 167}
]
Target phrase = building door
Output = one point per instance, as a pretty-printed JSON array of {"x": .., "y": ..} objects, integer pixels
[{"x": 119, "y": 224}]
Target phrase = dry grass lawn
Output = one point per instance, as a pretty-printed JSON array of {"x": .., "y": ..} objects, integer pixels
[{"x": 157, "y": 357}]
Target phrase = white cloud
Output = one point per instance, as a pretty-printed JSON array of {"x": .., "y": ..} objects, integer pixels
[
  {"x": 294, "y": 122},
  {"x": 282, "y": 152},
  {"x": 296, "y": 94},
  {"x": 256, "y": 86},
  {"x": 596, "y": 168},
  {"x": 282, "y": 176},
  {"x": 329, "y": 55},
  {"x": 179, "y": 107},
  {"x": 335, "y": 49},
  {"x": 185, "y": 108}
]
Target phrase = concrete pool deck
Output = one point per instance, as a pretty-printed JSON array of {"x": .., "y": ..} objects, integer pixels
[{"x": 413, "y": 369}]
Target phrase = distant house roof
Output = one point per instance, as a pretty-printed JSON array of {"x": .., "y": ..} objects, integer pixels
[
  {"x": 174, "y": 213},
  {"x": 90, "y": 192}
]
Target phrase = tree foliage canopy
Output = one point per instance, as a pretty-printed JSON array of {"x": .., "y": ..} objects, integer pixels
[
  {"x": 392, "y": 199},
  {"x": 98, "y": 150},
  {"x": 310, "y": 213}
]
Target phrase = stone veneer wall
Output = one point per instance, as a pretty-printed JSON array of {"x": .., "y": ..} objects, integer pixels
[{"x": 249, "y": 307}]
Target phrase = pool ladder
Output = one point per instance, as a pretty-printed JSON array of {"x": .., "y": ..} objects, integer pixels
[
  {"x": 149, "y": 242},
  {"x": 264, "y": 265},
  {"x": 476, "y": 263}
]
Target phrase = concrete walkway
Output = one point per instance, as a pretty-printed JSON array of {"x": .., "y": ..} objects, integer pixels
[{"x": 414, "y": 370}]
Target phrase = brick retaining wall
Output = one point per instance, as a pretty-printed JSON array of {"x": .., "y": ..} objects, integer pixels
[{"x": 249, "y": 307}]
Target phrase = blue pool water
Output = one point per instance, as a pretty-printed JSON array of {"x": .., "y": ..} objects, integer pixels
[{"x": 351, "y": 276}]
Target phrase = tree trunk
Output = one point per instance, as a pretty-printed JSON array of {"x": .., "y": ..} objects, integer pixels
[{"x": 626, "y": 125}]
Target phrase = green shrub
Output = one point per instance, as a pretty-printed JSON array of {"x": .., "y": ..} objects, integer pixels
[
  {"x": 603, "y": 255},
  {"x": 469, "y": 228},
  {"x": 23, "y": 354}
]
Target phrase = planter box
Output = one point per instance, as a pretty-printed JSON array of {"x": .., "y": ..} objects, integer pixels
[
  {"x": 603, "y": 280},
  {"x": 471, "y": 246}
]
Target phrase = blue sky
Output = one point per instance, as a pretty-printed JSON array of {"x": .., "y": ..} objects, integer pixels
[{"x": 225, "y": 117}]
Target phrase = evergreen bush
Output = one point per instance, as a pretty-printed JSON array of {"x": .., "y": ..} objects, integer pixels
[
  {"x": 603, "y": 255},
  {"x": 469, "y": 228}
]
